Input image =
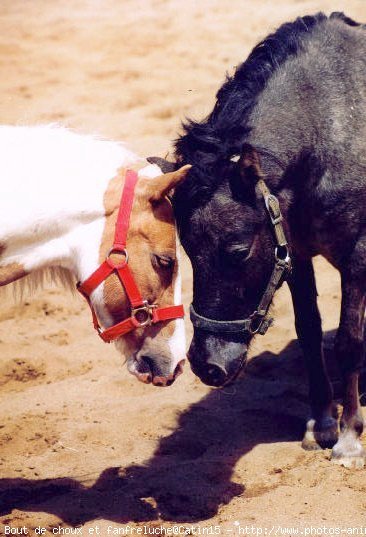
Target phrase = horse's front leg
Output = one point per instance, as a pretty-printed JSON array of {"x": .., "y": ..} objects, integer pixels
[
  {"x": 349, "y": 349},
  {"x": 322, "y": 427}
]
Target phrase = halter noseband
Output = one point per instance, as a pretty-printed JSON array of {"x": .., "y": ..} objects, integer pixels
[
  {"x": 259, "y": 321},
  {"x": 142, "y": 312}
]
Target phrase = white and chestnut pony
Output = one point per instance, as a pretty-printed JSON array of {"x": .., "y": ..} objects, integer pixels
[{"x": 90, "y": 211}]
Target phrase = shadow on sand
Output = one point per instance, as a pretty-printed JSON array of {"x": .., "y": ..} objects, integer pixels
[{"x": 192, "y": 469}]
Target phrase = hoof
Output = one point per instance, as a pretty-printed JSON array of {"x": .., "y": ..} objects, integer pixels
[
  {"x": 320, "y": 439},
  {"x": 348, "y": 451}
]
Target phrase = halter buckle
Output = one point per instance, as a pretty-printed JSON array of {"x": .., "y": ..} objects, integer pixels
[
  {"x": 143, "y": 315},
  {"x": 273, "y": 209},
  {"x": 259, "y": 323},
  {"x": 283, "y": 257}
]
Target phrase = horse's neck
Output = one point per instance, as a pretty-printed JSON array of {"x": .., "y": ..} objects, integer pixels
[{"x": 52, "y": 210}]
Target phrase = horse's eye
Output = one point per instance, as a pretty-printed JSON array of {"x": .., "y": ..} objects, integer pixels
[
  {"x": 164, "y": 261},
  {"x": 238, "y": 254}
]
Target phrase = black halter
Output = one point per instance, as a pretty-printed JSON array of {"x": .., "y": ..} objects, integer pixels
[{"x": 259, "y": 321}]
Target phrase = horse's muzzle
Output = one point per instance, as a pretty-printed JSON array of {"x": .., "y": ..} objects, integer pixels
[
  {"x": 149, "y": 370},
  {"x": 217, "y": 366}
]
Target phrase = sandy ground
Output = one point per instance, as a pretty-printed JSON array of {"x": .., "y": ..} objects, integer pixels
[{"x": 81, "y": 441}]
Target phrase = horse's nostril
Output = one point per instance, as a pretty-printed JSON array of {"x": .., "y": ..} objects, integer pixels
[
  {"x": 145, "y": 377},
  {"x": 216, "y": 375},
  {"x": 179, "y": 369},
  {"x": 158, "y": 383},
  {"x": 148, "y": 362}
]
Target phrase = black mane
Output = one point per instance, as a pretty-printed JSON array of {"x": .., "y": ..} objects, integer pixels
[{"x": 209, "y": 144}]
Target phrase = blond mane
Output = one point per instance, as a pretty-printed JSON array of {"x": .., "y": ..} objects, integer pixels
[{"x": 38, "y": 280}]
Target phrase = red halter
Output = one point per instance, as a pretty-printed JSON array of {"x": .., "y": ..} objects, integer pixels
[{"x": 142, "y": 313}]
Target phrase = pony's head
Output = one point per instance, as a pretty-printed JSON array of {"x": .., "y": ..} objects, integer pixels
[
  {"x": 227, "y": 235},
  {"x": 155, "y": 352}
]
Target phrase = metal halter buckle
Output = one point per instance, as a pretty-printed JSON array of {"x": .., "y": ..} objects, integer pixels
[
  {"x": 273, "y": 209},
  {"x": 283, "y": 257},
  {"x": 255, "y": 322},
  {"x": 261, "y": 323},
  {"x": 143, "y": 314}
]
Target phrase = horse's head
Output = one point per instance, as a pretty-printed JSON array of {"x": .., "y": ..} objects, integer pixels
[
  {"x": 155, "y": 352},
  {"x": 227, "y": 235}
]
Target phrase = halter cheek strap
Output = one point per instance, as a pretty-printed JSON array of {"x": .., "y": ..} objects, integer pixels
[{"x": 142, "y": 312}]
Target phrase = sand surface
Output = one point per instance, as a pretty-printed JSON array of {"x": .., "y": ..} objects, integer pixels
[{"x": 81, "y": 441}]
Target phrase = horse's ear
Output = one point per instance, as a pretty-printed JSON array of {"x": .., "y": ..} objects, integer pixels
[
  {"x": 248, "y": 171},
  {"x": 165, "y": 165},
  {"x": 161, "y": 186},
  {"x": 250, "y": 165}
]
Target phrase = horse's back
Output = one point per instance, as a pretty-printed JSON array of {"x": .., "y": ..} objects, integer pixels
[
  {"x": 334, "y": 66},
  {"x": 40, "y": 155},
  {"x": 47, "y": 167},
  {"x": 317, "y": 100}
]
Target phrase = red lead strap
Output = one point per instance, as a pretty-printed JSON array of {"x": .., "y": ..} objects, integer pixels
[{"x": 142, "y": 313}]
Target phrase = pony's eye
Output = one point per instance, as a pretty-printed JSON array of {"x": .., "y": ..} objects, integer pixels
[
  {"x": 164, "y": 261},
  {"x": 238, "y": 254}
]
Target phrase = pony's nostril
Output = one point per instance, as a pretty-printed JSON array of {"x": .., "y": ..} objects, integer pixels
[
  {"x": 145, "y": 377},
  {"x": 216, "y": 375},
  {"x": 148, "y": 362},
  {"x": 158, "y": 383},
  {"x": 179, "y": 369},
  {"x": 160, "y": 369},
  {"x": 162, "y": 381}
]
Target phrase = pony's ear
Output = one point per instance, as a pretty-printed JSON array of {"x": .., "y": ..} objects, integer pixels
[
  {"x": 247, "y": 173},
  {"x": 250, "y": 165},
  {"x": 161, "y": 186},
  {"x": 165, "y": 165}
]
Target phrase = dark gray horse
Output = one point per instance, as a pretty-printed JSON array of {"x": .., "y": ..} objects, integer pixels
[{"x": 290, "y": 125}]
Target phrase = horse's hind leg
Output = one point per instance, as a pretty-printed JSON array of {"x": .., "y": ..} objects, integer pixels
[
  {"x": 322, "y": 427},
  {"x": 349, "y": 349}
]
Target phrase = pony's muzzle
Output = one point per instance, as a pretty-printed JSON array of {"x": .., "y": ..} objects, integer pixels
[
  {"x": 217, "y": 374},
  {"x": 216, "y": 363},
  {"x": 155, "y": 370}
]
